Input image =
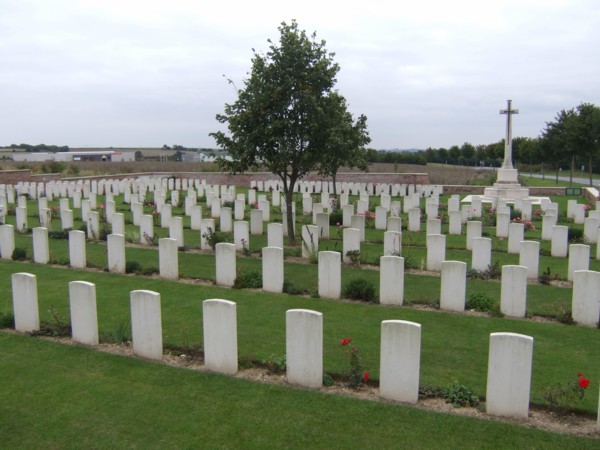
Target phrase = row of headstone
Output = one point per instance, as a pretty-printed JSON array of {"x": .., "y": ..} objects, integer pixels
[
  {"x": 318, "y": 187},
  {"x": 453, "y": 279},
  {"x": 509, "y": 363}
]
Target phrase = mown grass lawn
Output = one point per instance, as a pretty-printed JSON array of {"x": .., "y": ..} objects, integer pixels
[
  {"x": 66, "y": 397},
  {"x": 73, "y": 397},
  {"x": 454, "y": 346}
]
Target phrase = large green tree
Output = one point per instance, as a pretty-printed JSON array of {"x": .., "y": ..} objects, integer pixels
[
  {"x": 280, "y": 120},
  {"x": 345, "y": 139},
  {"x": 588, "y": 132}
]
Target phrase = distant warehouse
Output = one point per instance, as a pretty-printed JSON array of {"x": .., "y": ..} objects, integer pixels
[{"x": 96, "y": 155}]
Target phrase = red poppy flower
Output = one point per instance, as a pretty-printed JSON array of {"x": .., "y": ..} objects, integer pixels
[
  {"x": 345, "y": 341},
  {"x": 367, "y": 376},
  {"x": 584, "y": 383}
]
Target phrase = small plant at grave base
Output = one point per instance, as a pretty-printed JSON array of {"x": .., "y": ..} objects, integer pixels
[
  {"x": 276, "y": 364},
  {"x": 460, "y": 395},
  {"x": 563, "y": 315},
  {"x": 149, "y": 271},
  {"x": 493, "y": 272},
  {"x": 336, "y": 217},
  {"x": 564, "y": 395},
  {"x": 212, "y": 238},
  {"x": 150, "y": 240},
  {"x": 56, "y": 327},
  {"x": 7, "y": 319},
  {"x": 481, "y": 302},
  {"x": 360, "y": 289},
  {"x": 575, "y": 235},
  {"x": 104, "y": 231},
  {"x": 251, "y": 279},
  {"x": 410, "y": 262},
  {"x": 155, "y": 218},
  {"x": 369, "y": 218},
  {"x": 328, "y": 380},
  {"x": 339, "y": 229},
  {"x": 354, "y": 257},
  {"x": 489, "y": 216},
  {"x": 121, "y": 332},
  {"x": 54, "y": 212},
  {"x": 547, "y": 277},
  {"x": 356, "y": 373},
  {"x": 426, "y": 391},
  {"x": 246, "y": 362},
  {"x": 133, "y": 267},
  {"x": 19, "y": 254},
  {"x": 245, "y": 248},
  {"x": 291, "y": 289},
  {"x": 62, "y": 234}
]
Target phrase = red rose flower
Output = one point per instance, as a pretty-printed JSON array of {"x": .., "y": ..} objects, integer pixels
[
  {"x": 366, "y": 376},
  {"x": 584, "y": 383},
  {"x": 580, "y": 374},
  {"x": 345, "y": 341}
]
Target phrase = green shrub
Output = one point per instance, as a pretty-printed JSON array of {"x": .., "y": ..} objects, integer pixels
[
  {"x": 19, "y": 254},
  {"x": 575, "y": 235},
  {"x": 248, "y": 279},
  {"x": 7, "y": 319},
  {"x": 276, "y": 364},
  {"x": 481, "y": 302},
  {"x": 55, "y": 234},
  {"x": 460, "y": 395},
  {"x": 151, "y": 270},
  {"x": 336, "y": 217},
  {"x": 56, "y": 327},
  {"x": 360, "y": 289},
  {"x": 291, "y": 289},
  {"x": 493, "y": 272},
  {"x": 133, "y": 267},
  {"x": 327, "y": 380}
]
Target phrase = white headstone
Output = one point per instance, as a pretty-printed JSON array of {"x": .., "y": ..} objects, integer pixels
[
  {"x": 529, "y": 256},
  {"x": 509, "y": 375},
  {"x": 225, "y": 262},
  {"x": 586, "y": 298},
  {"x": 579, "y": 259},
  {"x": 453, "y": 286},
  {"x": 272, "y": 269},
  {"x": 513, "y": 291},
  {"x": 304, "y": 347},
  {"x": 25, "y": 302},
  {"x": 41, "y": 252},
  {"x": 115, "y": 244},
  {"x": 168, "y": 261},
  {"x": 84, "y": 316},
  {"x": 400, "y": 360},
  {"x": 220, "y": 336},
  {"x": 330, "y": 275},
  {"x": 146, "y": 324},
  {"x": 391, "y": 280}
]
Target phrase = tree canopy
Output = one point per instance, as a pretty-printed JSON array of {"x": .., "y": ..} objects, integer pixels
[{"x": 287, "y": 116}]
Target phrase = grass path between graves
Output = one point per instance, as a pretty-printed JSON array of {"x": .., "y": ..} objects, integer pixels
[
  {"x": 55, "y": 396},
  {"x": 454, "y": 346},
  {"x": 542, "y": 300}
]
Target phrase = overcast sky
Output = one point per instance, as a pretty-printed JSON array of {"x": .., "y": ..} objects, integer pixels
[{"x": 426, "y": 73}]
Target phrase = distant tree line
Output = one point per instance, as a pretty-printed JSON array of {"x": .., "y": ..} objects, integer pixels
[
  {"x": 41, "y": 148},
  {"x": 571, "y": 140}
]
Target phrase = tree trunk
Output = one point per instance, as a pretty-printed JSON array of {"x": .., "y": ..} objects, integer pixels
[
  {"x": 572, "y": 169},
  {"x": 289, "y": 200},
  {"x": 590, "y": 171},
  {"x": 337, "y": 204}
]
